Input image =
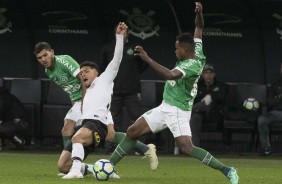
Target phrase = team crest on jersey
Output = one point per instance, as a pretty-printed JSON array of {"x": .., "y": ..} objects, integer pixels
[
  {"x": 130, "y": 51},
  {"x": 63, "y": 79},
  {"x": 171, "y": 82},
  {"x": 5, "y": 25},
  {"x": 141, "y": 25}
]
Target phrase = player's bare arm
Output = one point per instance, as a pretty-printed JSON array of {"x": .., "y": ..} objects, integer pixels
[
  {"x": 199, "y": 20},
  {"x": 164, "y": 72}
]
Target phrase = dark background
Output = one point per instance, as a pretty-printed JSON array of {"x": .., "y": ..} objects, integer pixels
[{"x": 241, "y": 37}]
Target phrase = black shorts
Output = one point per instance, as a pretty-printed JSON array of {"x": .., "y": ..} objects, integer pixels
[{"x": 100, "y": 131}]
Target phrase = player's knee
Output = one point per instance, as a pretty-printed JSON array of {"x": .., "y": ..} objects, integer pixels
[
  {"x": 132, "y": 132},
  {"x": 62, "y": 168},
  {"x": 66, "y": 131},
  {"x": 76, "y": 139},
  {"x": 185, "y": 147}
]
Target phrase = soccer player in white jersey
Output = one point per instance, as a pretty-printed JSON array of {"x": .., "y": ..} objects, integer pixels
[
  {"x": 96, "y": 104},
  {"x": 179, "y": 93}
]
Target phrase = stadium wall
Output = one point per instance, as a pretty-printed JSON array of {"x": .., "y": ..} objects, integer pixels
[{"x": 243, "y": 39}]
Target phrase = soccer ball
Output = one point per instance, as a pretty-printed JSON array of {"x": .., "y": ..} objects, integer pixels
[
  {"x": 251, "y": 104},
  {"x": 103, "y": 169}
]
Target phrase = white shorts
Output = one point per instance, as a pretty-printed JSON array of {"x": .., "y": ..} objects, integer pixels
[
  {"x": 75, "y": 112},
  {"x": 166, "y": 115},
  {"x": 109, "y": 120}
]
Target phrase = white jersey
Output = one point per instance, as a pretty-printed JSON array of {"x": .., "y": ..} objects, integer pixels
[{"x": 97, "y": 99}]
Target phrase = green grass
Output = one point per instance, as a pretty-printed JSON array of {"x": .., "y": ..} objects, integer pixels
[{"x": 29, "y": 168}]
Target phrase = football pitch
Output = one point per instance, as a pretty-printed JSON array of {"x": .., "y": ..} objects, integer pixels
[{"x": 29, "y": 168}]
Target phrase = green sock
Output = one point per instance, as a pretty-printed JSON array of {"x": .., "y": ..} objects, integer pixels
[
  {"x": 122, "y": 149},
  {"x": 206, "y": 158},
  {"x": 66, "y": 139},
  {"x": 139, "y": 146},
  {"x": 119, "y": 136}
]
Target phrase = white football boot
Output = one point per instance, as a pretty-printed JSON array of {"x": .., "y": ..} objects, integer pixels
[{"x": 152, "y": 156}]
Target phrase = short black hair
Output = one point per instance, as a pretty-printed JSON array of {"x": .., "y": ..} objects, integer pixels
[
  {"x": 91, "y": 64},
  {"x": 41, "y": 46},
  {"x": 186, "y": 39}
]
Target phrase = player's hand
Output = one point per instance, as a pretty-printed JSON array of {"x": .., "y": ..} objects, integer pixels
[
  {"x": 121, "y": 28},
  {"x": 199, "y": 7},
  {"x": 139, "y": 51}
]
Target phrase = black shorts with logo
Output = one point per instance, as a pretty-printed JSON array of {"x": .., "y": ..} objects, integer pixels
[{"x": 99, "y": 130}]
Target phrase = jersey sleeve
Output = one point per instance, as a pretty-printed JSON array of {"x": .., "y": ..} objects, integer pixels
[
  {"x": 199, "y": 50},
  {"x": 72, "y": 67}
]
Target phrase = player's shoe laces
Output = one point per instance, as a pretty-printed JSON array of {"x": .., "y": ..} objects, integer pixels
[
  {"x": 233, "y": 176},
  {"x": 114, "y": 175},
  {"x": 152, "y": 156},
  {"x": 73, "y": 175}
]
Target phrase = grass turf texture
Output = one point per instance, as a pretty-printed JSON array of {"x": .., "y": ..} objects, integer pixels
[{"x": 29, "y": 168}]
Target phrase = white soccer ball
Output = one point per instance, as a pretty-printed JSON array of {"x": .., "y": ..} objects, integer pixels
[
  {"x": 251, "y": 104},
  {"x": 103, "y": 169}
]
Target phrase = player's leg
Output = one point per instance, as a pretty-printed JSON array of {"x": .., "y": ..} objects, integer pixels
[
  {"x": 65, "y": 162},
  {"x": 149, "y": 122},
  {"x": 117, "y": 137},
  {"x": 182, "y": 133},
  {"x": 70, "y": 122},
  {"x": 185, "y": 145},
  {"x": 67, "y": 130},
  {"x": 83, "y": 137}
]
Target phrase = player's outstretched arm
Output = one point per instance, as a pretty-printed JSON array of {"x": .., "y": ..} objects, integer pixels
[
  {"x": 199, "y": 21},
  {"x": 164, "y": 72},
  {"x": 115, "y": 62}
]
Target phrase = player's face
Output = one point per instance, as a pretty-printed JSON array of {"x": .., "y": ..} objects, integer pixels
[
  {"x": 208, "y": 76},
  {"x": 180, "y": 51},
  {"x": 88, "y": 75},
  {"x": 46, "y": 58}
]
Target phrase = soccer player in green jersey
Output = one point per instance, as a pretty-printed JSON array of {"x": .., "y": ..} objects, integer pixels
[
  {"x": 65, "y": 72},
  {"x": 179, "y": 93}
]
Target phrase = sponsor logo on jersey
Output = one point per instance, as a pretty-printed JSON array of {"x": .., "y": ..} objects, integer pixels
[
  {"x": 62, "y": 18},
  {"x": 279, "y": 28},
  {"x": 65, "y": 63},
  {"x": 141, "y": 25},
  {"x": 5, "y": 24}
]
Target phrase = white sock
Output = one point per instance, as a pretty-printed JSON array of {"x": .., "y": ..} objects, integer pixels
[
  {"x": 77, "y": 156},
  {"x": 83, "y": 169}
]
